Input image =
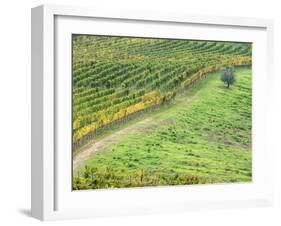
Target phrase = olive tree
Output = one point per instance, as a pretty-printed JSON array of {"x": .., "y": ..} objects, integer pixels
[{"x": 228, "y": 76}]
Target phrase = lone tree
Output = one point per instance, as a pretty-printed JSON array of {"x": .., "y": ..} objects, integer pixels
[{"x": 228, "y": 76}]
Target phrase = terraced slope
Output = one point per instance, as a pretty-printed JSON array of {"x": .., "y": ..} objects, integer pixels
[{"x": 117, "y": 78}]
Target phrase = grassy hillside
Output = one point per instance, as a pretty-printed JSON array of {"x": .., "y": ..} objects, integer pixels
[
  {"x": 115, "y": 78},
  {"x": 203, "y": 136}
]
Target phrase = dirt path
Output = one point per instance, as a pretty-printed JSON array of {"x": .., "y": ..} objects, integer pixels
[{"x": 90, "y": 149}]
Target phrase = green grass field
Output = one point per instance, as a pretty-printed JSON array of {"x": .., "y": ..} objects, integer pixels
[{"x": 203, "y": 136}]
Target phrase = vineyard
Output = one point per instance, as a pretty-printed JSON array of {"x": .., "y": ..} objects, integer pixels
[
  {"x": 118, "y": 78},
  {"x": 203, "y": 136}
]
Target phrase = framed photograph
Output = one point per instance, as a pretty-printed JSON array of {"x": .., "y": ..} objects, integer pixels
[{"x": 138, "y": 112}]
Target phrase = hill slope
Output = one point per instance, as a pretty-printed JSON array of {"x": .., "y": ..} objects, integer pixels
[
  {"x": 204, "y": 136},
  {"x": 115, "y": 77}
]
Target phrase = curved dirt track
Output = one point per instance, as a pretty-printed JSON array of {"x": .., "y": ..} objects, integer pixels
[{"x": 85, "y": 153}]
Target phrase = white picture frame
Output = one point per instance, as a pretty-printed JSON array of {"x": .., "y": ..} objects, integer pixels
[{"x": 52, "y": 197}]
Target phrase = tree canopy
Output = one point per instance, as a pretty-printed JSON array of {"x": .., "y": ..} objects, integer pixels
[{"x": 228, "y": 76}]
